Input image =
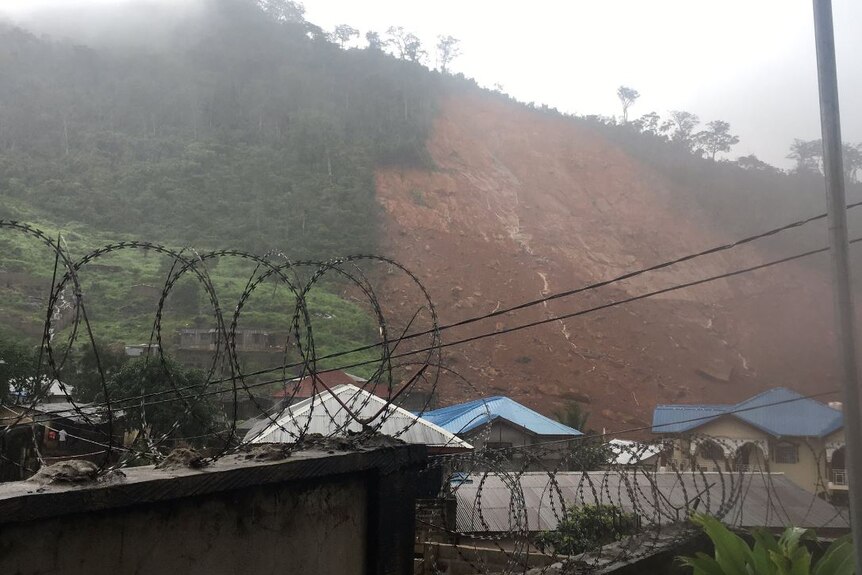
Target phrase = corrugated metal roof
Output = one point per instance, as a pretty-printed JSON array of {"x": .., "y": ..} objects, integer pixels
[
  {"x": 679, "y": 418},
  {"x": 76, "y": 412},
  {"x": 628, "y": 452},
  {"x": 464, "y": 417},
  {"x": 490, "y": 502},
  {"x": 805, "y": 417},
  {"x": 47, "y": 387},
  {"x": 325, "y": 415},
  {"x": 778, "y": 411}
]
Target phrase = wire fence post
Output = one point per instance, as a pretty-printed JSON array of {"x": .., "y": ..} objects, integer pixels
[{"x": 845, "y": 321}]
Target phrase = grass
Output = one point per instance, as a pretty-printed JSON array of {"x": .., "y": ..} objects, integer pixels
[{"x": 122, "y": 289}]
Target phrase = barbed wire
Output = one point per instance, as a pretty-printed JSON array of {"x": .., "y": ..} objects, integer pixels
[{"x": 505, "y": 497}]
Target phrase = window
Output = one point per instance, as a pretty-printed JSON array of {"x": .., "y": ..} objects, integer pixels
[
  {"x": 710, "y": 450},
  {"x": 786, "y": 453}
]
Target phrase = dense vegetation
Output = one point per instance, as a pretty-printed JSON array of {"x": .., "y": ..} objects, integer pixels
[
  {"x": 247, "y": 130},
  {"x": 745, "y": 195}
]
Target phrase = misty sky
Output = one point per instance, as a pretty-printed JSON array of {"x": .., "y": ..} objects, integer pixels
[{"x": 749, "y": 62}]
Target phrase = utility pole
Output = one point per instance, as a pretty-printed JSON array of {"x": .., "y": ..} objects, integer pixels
[{"x": 845, "y": 314}]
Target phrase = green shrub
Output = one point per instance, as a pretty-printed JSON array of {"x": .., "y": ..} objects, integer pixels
[
  {"x": 587, "y": 527},
  {"x": 786, "y": 556}
]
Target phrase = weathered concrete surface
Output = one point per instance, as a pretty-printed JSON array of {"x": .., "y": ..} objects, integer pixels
[
  {"x": 314, "y": 512},
  {"x": 284, "y": 529}
]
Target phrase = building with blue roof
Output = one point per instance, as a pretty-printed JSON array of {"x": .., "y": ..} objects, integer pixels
[
  {"x": 504, "y": 424},
  {"x": 778, "y": 430}
]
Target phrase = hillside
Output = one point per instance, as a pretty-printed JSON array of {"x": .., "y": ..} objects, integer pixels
[
  {"x": 524, "y": 204},
  {"x": 248, "y": 131},
  {"x": 235, "y": 130}
]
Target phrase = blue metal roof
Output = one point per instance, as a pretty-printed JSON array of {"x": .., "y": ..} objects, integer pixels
[
  {"x": 464, "y": 417},
  {"x": 679, "y": 418},
  {"x": 778, "y": 411}
]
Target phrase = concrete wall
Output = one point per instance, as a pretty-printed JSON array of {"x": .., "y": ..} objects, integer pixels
[
  {"x": 285, "y": 529},
  {"x": 319, "y": 513}
]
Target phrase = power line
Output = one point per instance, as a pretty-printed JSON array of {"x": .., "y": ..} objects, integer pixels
[
  {"x": 559, "y": 295},
  {"x": 575, "y": 291},
  {"x": 472, "y": 338}
]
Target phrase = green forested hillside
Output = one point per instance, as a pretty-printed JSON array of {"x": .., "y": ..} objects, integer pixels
[
  {"x": 246, "y": 129},
  {"x": 243, "y": 131}
]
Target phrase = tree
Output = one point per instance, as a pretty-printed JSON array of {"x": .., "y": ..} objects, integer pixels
[
  {"x": 283, "y": 10},
  {"x": 767, "y": 556},
  {"x": 17, "y": 368},
  {"x": 447, "y": 51},
  {"x": 648, "y": 124},
  {"x": 807, "y": 154},
  {"x": 752, "y": 162},
  {"x": 683, "y": 125},
  {"x": 627, "y": 97},
  {"x": 716, "y": 138},
  {"x": 177, "y": 398},
  {"x": 574, "y": 415},
  {"x": 589, "y": 454},
  {"x": 407, "y": 45},
  {"x": 852, "y": 161},
  {"x": 587, "y": 527},
  {"x": 343, "y": 33},
  {"x": 585, "y": 453},
  {"x": 84, "y": 375},
  {"x": 374, "y": 41}
]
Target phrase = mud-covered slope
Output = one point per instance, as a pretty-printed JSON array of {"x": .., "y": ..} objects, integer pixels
[{"x": 523, "y": 204}]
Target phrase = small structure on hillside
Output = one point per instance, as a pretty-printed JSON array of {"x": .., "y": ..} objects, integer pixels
[
  {"x": 142, "y": 349},
  {"x": 504, "y": 426},
  {"x": 209, "y": 339},
  {"x": 331, "y": 414},
  {"x": 256, "y": 348}
]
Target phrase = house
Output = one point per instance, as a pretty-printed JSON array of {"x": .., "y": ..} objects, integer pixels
[
  {"x": 502, "y": 424},
  {"x": 628, "y": 453},
  {"x": 48, "y": 391},
  {"x": 210, "y": 339},
  {"x": 778, "y": 430},
  {"x": 256, "y": 349},
  {"x": 331, "y": 414},
  {"x": 142, "y": 349},
  {"x": 60, "y": 429},
  {"x": 250, "y": 410}
]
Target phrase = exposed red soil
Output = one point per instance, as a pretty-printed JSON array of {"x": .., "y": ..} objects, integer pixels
[{"x": 524, "y": 204}]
